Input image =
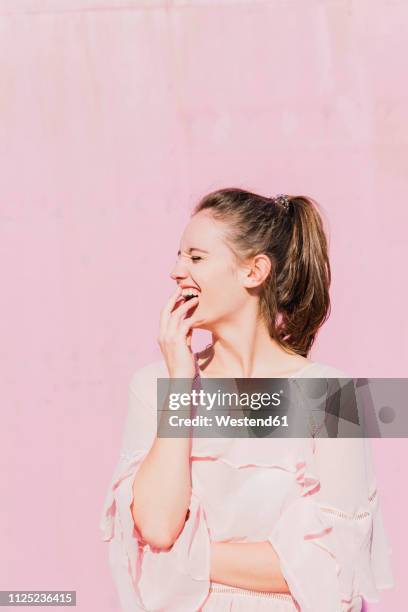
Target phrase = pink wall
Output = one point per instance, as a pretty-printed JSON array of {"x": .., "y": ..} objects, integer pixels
[{"x": 113, "y": 121}]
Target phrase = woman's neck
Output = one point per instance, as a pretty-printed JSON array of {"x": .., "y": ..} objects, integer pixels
[{"x": 248, "y": 354}]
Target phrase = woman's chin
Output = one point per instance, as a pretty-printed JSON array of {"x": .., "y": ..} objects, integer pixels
[{"x": 196, "y": 320}]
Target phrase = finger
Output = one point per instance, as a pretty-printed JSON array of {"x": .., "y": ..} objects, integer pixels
[
  {"x": 166, "y": 311},
  {"x": 172, "y": 300},
  {"x": 178, "y": 315},
  {"x": 189, "y": 336},
  {"x": 186, "y": 330}
]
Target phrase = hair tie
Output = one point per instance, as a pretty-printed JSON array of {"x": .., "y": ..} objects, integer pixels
[{"x": 282, "y": 200}]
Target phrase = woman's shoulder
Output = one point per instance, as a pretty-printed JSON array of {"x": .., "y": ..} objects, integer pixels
[
  {"x": 143, "y": 381},
  {"x": 323, "y": 370},
  {"x": 151, "y": 369}
]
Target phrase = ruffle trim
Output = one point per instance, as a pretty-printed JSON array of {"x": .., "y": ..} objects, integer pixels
[
  {"x": 183, "y": 572},
  {"x": 293, "y": 455},
  {"x": 317, "y": 544}
]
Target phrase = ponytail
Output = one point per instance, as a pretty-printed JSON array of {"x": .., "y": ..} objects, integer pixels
[{"x": 304, "y": 278}]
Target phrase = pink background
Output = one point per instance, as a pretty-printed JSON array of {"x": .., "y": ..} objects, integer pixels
[{"x": 114, "y": 118}]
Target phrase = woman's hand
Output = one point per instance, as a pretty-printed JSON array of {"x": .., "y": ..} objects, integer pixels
[{"x": 175, "y": 336}]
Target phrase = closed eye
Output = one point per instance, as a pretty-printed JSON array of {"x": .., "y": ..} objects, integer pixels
[{"x": 195, "y": 257}]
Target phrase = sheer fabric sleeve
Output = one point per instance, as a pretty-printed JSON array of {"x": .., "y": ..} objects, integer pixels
[
  {"x": 331, "y": 540},
  {"x": 147, "y": 578}
]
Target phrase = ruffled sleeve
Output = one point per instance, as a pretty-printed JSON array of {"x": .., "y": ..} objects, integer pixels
[
  {"x": 147, "y": 578},
  {"x": 331, "y": 541}
]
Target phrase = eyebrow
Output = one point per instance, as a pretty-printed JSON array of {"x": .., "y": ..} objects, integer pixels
[{"x": 193, "y": 249}]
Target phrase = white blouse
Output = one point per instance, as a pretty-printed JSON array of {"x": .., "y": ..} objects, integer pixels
[{"x": 314, "y": 499}]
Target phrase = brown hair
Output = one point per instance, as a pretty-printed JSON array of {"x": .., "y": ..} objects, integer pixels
[{"x": 294, "y": 299}]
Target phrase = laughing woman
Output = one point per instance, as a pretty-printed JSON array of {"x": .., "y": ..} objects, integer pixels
[{"x": 244, "y": 524}]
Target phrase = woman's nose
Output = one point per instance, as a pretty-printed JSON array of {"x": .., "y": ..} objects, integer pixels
[{"x": 179, "y": 271}]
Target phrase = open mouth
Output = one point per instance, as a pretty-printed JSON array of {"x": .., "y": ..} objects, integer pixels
[{"x": 189, "y": 294}]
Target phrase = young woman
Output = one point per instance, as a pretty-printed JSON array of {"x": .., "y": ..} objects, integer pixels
[{"x": 216, "y": 524}]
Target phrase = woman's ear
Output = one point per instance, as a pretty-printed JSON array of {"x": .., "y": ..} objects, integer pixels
[{"x": 256, "y": 271}]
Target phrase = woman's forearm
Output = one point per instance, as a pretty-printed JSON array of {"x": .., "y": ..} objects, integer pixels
[
  {"x": 162, "y": 491},
  {"x": 162, "y": 488},
  {"x": 247, "y": 565}
]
